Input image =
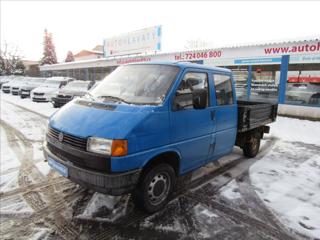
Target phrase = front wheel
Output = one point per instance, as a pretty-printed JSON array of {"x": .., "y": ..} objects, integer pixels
[
  {"x": 252, "y": 145},
  {"x": 154, "y": 188}
]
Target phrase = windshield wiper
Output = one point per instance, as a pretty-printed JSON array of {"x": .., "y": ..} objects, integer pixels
[{"x": 118, "y": 99}]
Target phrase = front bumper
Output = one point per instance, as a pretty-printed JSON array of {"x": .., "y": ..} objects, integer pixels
[
  {"x": 57, "y": 101},
  {"x": 40, "y": 99},
  {"x": 15, "y": 92},
  {"x": 110, "y": 183},
  {"x": 25, "y": 93},
  {"x": 6, "y": 90}
]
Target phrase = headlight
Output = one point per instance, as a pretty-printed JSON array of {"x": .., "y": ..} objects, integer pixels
[
  {"x": 99, "y": 145},
  {"x": 115, "y": 148}
]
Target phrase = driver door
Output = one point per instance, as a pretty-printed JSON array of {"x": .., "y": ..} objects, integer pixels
[{"x": 191, "y": 129}]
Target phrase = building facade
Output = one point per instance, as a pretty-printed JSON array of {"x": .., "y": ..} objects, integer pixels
[{"x": 285, "y": 72}]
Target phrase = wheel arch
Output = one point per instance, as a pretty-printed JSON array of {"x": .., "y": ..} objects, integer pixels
[{"x": 170, "y": 157}]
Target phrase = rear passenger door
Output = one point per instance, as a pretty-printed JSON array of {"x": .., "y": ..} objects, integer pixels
[
  {"x": 225, "y": 114},
  {"x": 191, "y": 128}
]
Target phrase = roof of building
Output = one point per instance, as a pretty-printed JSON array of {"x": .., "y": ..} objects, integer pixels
[
  {"x": 87, "y": 52},
  {"x": 143, "y": 55}
]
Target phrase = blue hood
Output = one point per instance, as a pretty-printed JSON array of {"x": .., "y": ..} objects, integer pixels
[{"x": 113, "y": 122}]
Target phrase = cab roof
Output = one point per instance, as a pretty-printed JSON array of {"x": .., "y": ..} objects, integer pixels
[{"x": 184, "y": 65}]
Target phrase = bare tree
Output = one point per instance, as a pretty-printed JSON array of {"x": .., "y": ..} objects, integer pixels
[{"x": 10, "y": 59}]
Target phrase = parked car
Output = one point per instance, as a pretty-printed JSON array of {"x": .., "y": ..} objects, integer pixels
[
  {"x": 15, "y": 87},
  {"x": 33, "y": 83},
  {"x": 303, "y": 93},
  {"x": 49, "y": 89},
  {"x": 4, "y": 79},
  {"x": 6, "y": 88},
  {"x": 147, "y": 124},
  {"x": 73, "y": 89}
]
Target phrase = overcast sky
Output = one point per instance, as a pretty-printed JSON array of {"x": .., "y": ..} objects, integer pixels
[{"x": 78, "y": 25}]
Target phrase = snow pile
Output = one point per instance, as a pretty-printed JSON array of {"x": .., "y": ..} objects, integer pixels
[
  {"x": 295, "y": 130},
  {"x": 105, "y": 207},
  {"x": 288, "y": 180}
]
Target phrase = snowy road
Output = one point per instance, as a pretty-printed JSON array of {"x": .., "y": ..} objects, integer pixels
[{"x": 273, "y": 196}]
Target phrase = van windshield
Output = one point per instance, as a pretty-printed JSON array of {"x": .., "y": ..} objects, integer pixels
[{"x": 137, "y": 84}]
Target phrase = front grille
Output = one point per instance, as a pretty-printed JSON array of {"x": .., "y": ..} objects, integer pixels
[
  {"x": 80, "y": 143},
  {"x": 65, "y": 156},
  {"x": 99, "y": 164},
  {"x": 38, "y": 94}
]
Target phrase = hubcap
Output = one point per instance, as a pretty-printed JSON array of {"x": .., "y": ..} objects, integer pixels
[{"x": 159, "y": 188}]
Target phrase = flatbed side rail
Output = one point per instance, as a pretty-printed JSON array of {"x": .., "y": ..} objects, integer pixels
[{"x": 255, "y": 114}]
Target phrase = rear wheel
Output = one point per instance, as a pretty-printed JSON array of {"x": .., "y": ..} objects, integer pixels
[
  {"x": 252, "y": 145},
  {"x": 154, "y": 188}
]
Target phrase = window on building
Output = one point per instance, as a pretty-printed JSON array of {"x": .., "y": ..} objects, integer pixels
[
  {"x": 265, "y": 82},
  {"x": 223, "y": 88},
  {"x": 190, "y": 82},
  {"x": 303, "y": 84}
]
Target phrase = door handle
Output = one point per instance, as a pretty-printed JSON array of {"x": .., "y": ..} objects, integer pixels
[{"x": 213, "y": 114}]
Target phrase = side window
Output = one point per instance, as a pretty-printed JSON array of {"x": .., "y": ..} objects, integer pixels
[
  {"x": 223, "y": 87},
  {"x": 190, "y": 81}
]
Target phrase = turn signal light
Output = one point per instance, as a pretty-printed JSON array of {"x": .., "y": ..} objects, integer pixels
[{"x": 119, "y": 148}]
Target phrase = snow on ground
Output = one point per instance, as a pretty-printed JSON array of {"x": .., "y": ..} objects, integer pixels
[
  {"x": 8, "y": 159},
  {"x": 44, "y": 108},
  {"x": 9, "y": 181},
  {"x": 291, "y": 129},
  {"x": 288, "y": 177},
  {"x": 230, "y": 191},
  {"x": 15, "y": 206},
  {"x": 9, "y": 164},
  {"x": 31, "y": 125},
  {"x": 43, "y": 167}
]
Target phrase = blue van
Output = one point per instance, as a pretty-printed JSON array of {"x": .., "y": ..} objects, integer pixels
[{"x": 147, "y": 124}]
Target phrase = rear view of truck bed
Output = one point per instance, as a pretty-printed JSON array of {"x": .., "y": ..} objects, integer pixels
[{"x": 255, "y": 114}]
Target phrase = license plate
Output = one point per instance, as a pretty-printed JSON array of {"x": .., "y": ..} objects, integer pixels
[{"x": 63, "y": 170}]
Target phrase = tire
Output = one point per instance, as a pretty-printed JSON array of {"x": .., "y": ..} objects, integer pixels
[
  {"x": 55, "y": 105},
  {"x": 252, "y": 145},
  {"x": 154, "y": 188}
]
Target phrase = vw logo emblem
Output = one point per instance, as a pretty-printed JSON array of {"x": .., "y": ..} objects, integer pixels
[{"x": 60, "y": 137}]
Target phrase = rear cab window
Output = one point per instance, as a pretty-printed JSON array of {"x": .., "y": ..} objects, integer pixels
[{"x": 223, "y": 89}]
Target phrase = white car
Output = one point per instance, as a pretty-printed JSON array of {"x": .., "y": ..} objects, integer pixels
[{"x": 49, "y": 89}]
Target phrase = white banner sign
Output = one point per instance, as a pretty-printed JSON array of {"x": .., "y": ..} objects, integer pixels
[{"x": 141, "y": 41}]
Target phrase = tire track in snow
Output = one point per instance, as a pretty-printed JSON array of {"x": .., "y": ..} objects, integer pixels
[
  {"x": 239, "y": 216},
  {"x": 35, "y": 199}
]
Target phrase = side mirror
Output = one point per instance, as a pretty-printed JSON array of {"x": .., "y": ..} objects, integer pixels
[{"x": 199, "y": 98}]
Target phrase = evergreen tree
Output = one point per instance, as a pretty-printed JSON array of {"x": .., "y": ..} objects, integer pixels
[
  {"x": 49, "y": 52},
  {"x": 69, "y": 57}
]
